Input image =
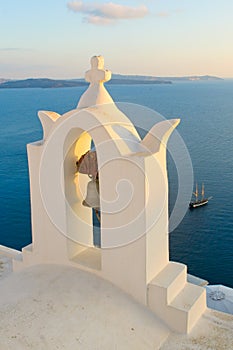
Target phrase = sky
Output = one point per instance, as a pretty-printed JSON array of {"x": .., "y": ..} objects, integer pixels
[{"x": 57, "y": 38}]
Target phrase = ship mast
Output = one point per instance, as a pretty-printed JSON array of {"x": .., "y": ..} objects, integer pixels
[
  {"x": 202, "y": 191},
  {"x": 196, "y": 193}
]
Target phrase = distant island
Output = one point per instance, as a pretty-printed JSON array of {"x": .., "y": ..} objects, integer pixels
[
  {"x": 116, "y": 79},
  {"x": 164, "y": 79},
  {"x": 3, "y": 80},
  {"x": 40, "y": 83}
]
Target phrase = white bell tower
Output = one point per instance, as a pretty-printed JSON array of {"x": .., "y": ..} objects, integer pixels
[{"x": 133, "y": 192}]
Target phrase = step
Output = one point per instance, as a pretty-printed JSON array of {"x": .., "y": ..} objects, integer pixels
[
  {"x": 23, "y": 258},
  {"x": 184, "y": 311},
  {"x": 188, "y": 306},
  {"x": 90, "y": 257},
  {"x": 177, "y": 302},
  {"x": 27, "y": 253},
  {"x": 187, "y": 297},
  {"x": 28, "y": 248},
  {"x": 169, "y": 282}
]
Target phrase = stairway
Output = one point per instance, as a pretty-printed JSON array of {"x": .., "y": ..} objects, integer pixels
[{"x": 178, "y": 303}]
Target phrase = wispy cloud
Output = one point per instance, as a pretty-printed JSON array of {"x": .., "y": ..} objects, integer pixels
[
  {"x": 163, "y": 14},
  {"x": 107, "y": 13},
  {"x": 169, "y": 13},
  {"x": 7, "y": 49}
]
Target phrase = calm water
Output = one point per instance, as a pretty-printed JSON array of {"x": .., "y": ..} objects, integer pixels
[{"x": 204, "y": 239}]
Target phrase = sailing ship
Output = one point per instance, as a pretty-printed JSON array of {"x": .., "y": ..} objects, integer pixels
[{"x": 199, "y": 202}]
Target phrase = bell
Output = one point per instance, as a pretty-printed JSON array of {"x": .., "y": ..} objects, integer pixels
[
  {"x": 92, "y": 199},
  {"x": 87, "y": 164}
]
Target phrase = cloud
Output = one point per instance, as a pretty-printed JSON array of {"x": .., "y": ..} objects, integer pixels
[
  {"x": 163, "y": 14},
  {"x": 107, "y": 13},
  {"x": 7, "y": 49},
  {"x": 10, "y": 49}
]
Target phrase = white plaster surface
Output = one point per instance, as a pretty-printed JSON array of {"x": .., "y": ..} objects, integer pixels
[
  {"x": 214, "y": 331},
  {"x": 5, "y": 266},
  {"x": 59, "y": 307},
  {"x": 6, "y": 256}
]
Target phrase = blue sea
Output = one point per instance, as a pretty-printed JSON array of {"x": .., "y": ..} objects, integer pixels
[{"x": 204, "y": 239}]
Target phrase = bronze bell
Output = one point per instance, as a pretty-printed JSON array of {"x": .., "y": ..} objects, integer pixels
[{"x": 92, "y": 199}]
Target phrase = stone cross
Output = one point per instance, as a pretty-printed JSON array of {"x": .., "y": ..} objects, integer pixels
[
  {"x": 97, "y": 74},
  {"x": 96, "y": 93}
]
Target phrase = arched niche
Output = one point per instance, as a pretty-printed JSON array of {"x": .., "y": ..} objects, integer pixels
[{"x": 82, "y": 228}]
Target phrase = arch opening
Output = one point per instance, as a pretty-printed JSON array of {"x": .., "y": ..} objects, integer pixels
[{"x": 83, "y": 226}]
